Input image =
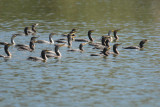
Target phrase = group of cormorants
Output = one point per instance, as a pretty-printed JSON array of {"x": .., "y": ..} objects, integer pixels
[{"x": 104, "y": 45}]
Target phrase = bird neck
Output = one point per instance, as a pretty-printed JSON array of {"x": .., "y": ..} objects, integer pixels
[
  {"x": 107, "y": 43},
  {"x": 12, "y": 40},
  {"x": 105, "y": 54},
  {"x": 34, "y": 29},
  {"x": 6, "y": 51},
  {"x": 26, "y": 30},
  {"x": 81, "y": 47},
  {"x": 57, "y": 51},
  {"x": 69, "y": 40},
  {"x": 141, "y": 44},
  {"x": 69, "y": 43},
  {"x": 115, "y": 35},
  {"x": 31, "y": 45},
  {"x": 50, "y": 39},
  {"x": 89, "y": 36},
  {"x": 115, "y": 50},
  {"x": 103, "y": 41},
  {"x": 43, "y": 55},
  {"x": 105, "y": 51}
]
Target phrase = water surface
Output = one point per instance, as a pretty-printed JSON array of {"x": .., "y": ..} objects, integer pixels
[{"x": 77, "y": 79}]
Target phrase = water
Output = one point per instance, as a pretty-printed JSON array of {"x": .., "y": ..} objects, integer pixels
[{"x": 77, "y": 79}]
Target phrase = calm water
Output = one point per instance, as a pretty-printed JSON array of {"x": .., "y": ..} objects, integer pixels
[{"x": 77, "y": 79}]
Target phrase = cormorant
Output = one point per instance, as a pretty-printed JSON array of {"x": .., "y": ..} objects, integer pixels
[
  {"x": 42, "y": 58},
  {"x": 9, "y": 55},
  {"x": 51, "y": 41},
  {"x": 137, "y": 47},
  {"x": 80, "y": 48},
  {"x": 30, "y": 48}
]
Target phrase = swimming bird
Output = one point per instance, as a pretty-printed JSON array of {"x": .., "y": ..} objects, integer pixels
[
  {"x": 32, "y": 30},
  {"x": 51, "y": 41},
  {"x": 42, "y": 58},
  {"x": 80, "y": 48},
  {"x": 104, "y": 43},
  {"x": 73, "y": 31},
  {"x": 141, "y": 45},
  {"x": 12, "y": 40},
  {"x": 9, "y": 55},
  {"x": 92, "y": 43},
  {"x": 115, "y": 34},
  {"x": 105, "y": 52},
  {"x": 115, "y": 51},
  {"x": 57, "y": 52},
  {"x": 29, "y": 47},
  {"x": 34, "y": 27},
  {"x": 85, "y": 40}
]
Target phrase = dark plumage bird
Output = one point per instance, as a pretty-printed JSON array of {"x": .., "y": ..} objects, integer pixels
[
  {"x": 115, "y": 34},
  {"x": 9, "y": 55},
  {"x": 32, "y": 30},
  {"x": 80, "y": 48},
  {"x": 57, "y": 52},
  {"x": 29, "y": 47},
  {"x": 115, "y": 51},
  {"x": 85, "y": 40},
  {"x": 73, "y": 31},
  {"x": 105, "y": 52},
  {"x": 141, "y": 45},
  {"x": 91, "y": 40},
  {"x": 104, "y": 43},
  {"x": 51, "y": 41},
  {"x": 42, "y": 58}
]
